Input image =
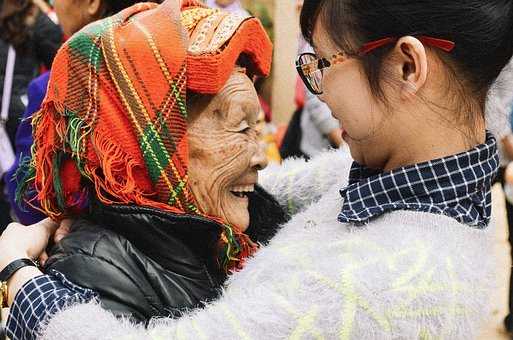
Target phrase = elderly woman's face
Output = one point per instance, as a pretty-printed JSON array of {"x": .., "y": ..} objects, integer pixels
[{"x": 224, "y": 150}]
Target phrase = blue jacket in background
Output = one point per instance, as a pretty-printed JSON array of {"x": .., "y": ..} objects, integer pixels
[{"x": 36, "y": 94}]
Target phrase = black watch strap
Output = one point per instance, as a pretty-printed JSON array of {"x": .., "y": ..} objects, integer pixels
[
  {"x": 13, "y": 267},
  {"x": 3, "y": 335}
]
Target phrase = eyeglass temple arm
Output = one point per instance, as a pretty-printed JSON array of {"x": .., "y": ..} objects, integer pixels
[{"x": 445, "y": 45}]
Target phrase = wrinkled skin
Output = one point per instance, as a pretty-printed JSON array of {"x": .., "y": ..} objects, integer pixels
[{"x": 224, "y": 150}]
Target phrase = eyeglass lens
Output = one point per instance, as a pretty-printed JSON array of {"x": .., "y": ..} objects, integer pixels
[{"x": 310, "y": 68}]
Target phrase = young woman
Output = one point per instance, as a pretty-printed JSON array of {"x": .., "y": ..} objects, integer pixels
[{"x": 404, "y": 249}]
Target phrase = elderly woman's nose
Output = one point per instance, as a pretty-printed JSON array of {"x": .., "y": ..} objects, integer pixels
[{"x": 259, "y": 159}]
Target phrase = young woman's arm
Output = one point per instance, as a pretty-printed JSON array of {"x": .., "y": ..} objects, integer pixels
[
  {"x": 21, "y": 242},
  {"x": 298, "y": 183},
  {"x": 32, "y": 296},
  {"x": 39, "y": 297},
  {"x": 398, "y": 278}
]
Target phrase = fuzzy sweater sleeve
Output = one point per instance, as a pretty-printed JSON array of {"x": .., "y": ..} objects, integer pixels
[
  {"x": 499, "y": 103},
  {"x": 499, "y": 107},
  {"x": 298, "y": 183}
]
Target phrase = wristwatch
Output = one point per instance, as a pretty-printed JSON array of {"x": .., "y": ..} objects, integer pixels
[{"x": 7, "y": 273}]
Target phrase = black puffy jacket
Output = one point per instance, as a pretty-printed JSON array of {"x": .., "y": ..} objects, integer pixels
[{"x": 146, "y": 263}]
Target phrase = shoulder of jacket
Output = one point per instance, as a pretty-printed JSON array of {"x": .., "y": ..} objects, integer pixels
[{"x": 92, "y": 240}]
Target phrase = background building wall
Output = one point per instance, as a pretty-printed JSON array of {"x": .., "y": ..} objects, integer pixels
[
  {"x": 281, "y": 87},
  {"x": 285, "y": 51}
]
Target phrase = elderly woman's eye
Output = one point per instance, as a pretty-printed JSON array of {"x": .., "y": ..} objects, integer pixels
[{"x": 244, "y": 127}]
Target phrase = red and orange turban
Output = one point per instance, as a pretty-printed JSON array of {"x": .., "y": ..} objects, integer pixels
[{"x": 114, "y": 122}]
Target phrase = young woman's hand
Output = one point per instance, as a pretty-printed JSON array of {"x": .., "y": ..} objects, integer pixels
[
  {"x": 60, "y": 233},
  {"x": 19, "y": 241}
]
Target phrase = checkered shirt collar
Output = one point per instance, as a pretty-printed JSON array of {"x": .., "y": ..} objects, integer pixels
[{"x": 457, "y": 186}]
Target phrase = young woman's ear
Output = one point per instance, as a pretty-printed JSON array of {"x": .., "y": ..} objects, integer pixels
[{"x": 411, "y": 65}]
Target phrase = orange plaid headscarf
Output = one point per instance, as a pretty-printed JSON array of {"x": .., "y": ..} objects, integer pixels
[{"x": 114, "y": 122}]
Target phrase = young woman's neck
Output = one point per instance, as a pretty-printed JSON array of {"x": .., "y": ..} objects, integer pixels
[{"x": 434, "y": 138}]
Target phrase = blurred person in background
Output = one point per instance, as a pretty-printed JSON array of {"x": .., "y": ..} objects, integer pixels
[
  {"x": 233, "y": 6},
  {"x": 500, "y": 101},
  {"x": 35, "y": 39},
  {"x": 48, "y": 9},
  {"x": 267, "y": 134},
  {"x": 73, "y": 15},
  {"x": 312, "y": 128}
]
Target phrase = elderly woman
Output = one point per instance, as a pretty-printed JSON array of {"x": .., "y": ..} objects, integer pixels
[
  {"x": 151, "y": 143},
  {"x": 399, "y": 246}
]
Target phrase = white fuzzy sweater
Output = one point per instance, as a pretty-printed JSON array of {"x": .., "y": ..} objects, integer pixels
[
  {"x": 406, "y": 275},
  {"x": 499, "y": 106}
]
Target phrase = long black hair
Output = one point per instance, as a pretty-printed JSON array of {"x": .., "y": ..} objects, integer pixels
[{"x": 481, "y": 29}]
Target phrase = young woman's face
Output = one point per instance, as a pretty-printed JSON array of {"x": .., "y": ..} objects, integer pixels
[{"x": 348, "y": 95}]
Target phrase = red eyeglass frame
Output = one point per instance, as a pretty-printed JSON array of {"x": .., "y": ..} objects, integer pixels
[{"x": 323, "y": 63}]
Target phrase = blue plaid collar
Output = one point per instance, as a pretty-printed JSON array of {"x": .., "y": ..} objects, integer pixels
[{"x": 457, "y": 186}]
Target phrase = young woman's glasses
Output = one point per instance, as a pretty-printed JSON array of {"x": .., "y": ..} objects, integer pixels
[{"x": 311, "y": 68}]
